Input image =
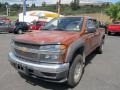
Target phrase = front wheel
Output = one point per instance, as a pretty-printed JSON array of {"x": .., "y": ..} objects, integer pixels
[
  {"x": 108, "y": 32},
  {"x": 76, "y": 71},
  {"x": 20, "y": 31}
]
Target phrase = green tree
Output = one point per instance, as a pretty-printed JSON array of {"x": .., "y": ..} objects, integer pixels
[
  {"x": 75, "y": 4},
  {"x": 43, "y": 3},
  {"x": 33, "y": 5},
  {"x": 114, "y": 11}
]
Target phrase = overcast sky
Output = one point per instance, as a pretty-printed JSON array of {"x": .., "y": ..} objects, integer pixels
[{"x": 38, "y": 2}]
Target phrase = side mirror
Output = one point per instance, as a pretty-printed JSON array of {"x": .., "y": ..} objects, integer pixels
[{"x": 91, "y": 29}]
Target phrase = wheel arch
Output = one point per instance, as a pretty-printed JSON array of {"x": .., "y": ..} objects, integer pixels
[{"x": 75, "y": 48}]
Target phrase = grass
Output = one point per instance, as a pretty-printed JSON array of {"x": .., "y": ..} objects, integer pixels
[
  {"x": 98, "y": 16},
  {"x": 13, "y": 18}
]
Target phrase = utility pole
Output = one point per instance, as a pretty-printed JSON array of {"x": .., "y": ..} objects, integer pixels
[
  {"x": 101, "y": 14},
  {"x": 7, "y": 9},
  {"x": 58, "y": 6},
  {"x": 24, "y": 8}
]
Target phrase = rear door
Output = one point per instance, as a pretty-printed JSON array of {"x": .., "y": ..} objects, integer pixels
[
  {"x": 92, "y": 37},
  {"x": 96, "y": 39},
  {"x": 88, "y": 38}
]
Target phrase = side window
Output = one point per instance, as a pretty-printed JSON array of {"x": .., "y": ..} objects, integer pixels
[
  {"x": 90, "y": 23},
  {"x": 24, "y": 24},
  {"x": 95, "y": 22},
  {"x": 2, "y": 23},
  {"x": 90, "y": 26}
]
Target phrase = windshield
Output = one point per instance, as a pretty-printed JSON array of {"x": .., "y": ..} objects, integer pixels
[
  {"x": 65, "y": 23},
  {"x": 19, "y": 23},
  {"x": 2, "y": 22}
]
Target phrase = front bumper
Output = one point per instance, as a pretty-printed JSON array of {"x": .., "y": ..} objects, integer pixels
[
  {"x": 114, "y": 31},
  {"x": 49, "y": 72}
]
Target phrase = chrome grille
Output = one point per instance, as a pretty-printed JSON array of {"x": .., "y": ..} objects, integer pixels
[{"x": 26, "y": 55}]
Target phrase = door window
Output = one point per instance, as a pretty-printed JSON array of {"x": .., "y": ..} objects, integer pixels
[{"x": 90, "y": 24}]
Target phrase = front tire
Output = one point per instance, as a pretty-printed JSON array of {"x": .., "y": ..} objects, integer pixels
[
  {"x": 108, "y": 32},
  {"x": 20, "y": 31},
  {"x": 76, "y": 71}
]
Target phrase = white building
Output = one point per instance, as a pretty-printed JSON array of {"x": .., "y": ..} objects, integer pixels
[{"x": 37, "y": 15}]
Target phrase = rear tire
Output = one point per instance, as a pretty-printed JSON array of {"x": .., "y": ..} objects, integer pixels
[{"x": 76, "y": 71}]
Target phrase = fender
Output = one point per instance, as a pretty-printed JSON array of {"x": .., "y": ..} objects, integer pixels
[{"x": 73, "y": 48}]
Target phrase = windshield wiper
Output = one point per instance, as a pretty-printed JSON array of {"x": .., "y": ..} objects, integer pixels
[
  {"x": 44, "y": 29},
  {"x": 59, "y": 29}
]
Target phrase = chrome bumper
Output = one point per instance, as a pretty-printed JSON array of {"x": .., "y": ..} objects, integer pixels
[{"x": 53, "y": 72}]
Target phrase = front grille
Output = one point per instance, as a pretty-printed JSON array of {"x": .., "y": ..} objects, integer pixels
[
  {"x": 30, "y": 46},
  {"x": 26, "y": 55}
]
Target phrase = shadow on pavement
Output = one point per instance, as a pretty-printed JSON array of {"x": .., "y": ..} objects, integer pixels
[
  {"x": 45, "y": 84},
  {"x": 90, "y": 58}
]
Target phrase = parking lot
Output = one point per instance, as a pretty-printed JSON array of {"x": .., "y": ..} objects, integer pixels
[{"x": 102, "y": 71}]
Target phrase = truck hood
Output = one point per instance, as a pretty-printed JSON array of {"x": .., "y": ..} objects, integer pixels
[{"x": 48, "y": 37}]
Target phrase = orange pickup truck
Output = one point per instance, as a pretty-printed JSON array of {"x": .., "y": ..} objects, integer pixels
[{"x": 57, "y": 52}]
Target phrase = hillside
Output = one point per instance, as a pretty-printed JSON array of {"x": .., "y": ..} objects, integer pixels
[{"x": 89, "y": 10}]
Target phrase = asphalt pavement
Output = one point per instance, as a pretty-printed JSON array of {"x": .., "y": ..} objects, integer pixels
[{"x": 102, "y": 71}]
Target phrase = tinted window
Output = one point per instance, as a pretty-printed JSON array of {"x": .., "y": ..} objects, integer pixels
[
  {"x": 90, "y": 23},
  {"x": 2, "y": 23},
  {"x": 95, "y": 22},
  {"x": 20, "y": 23}
]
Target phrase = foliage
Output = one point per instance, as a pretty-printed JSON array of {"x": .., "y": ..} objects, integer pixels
[
  {"x": 33, "y": 5},
  {"x": 43, "y": 3},
  {"x": 114, "y": 11},
  {"x": 75, "y": 4},
  {"x": 65, "y": 9}
]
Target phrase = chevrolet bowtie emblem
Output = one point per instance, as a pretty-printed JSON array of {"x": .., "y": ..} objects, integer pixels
[{"x": 23, "y": 49}]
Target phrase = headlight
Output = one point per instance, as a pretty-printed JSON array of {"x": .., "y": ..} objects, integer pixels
[
  {"x": 53, "y": 47},
  {"x": 52, "y": 53},
  {"x": 50, "y": 58}
]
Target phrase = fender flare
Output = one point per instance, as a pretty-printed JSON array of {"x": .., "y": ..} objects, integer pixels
[{"x": 78, "y": 45}]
